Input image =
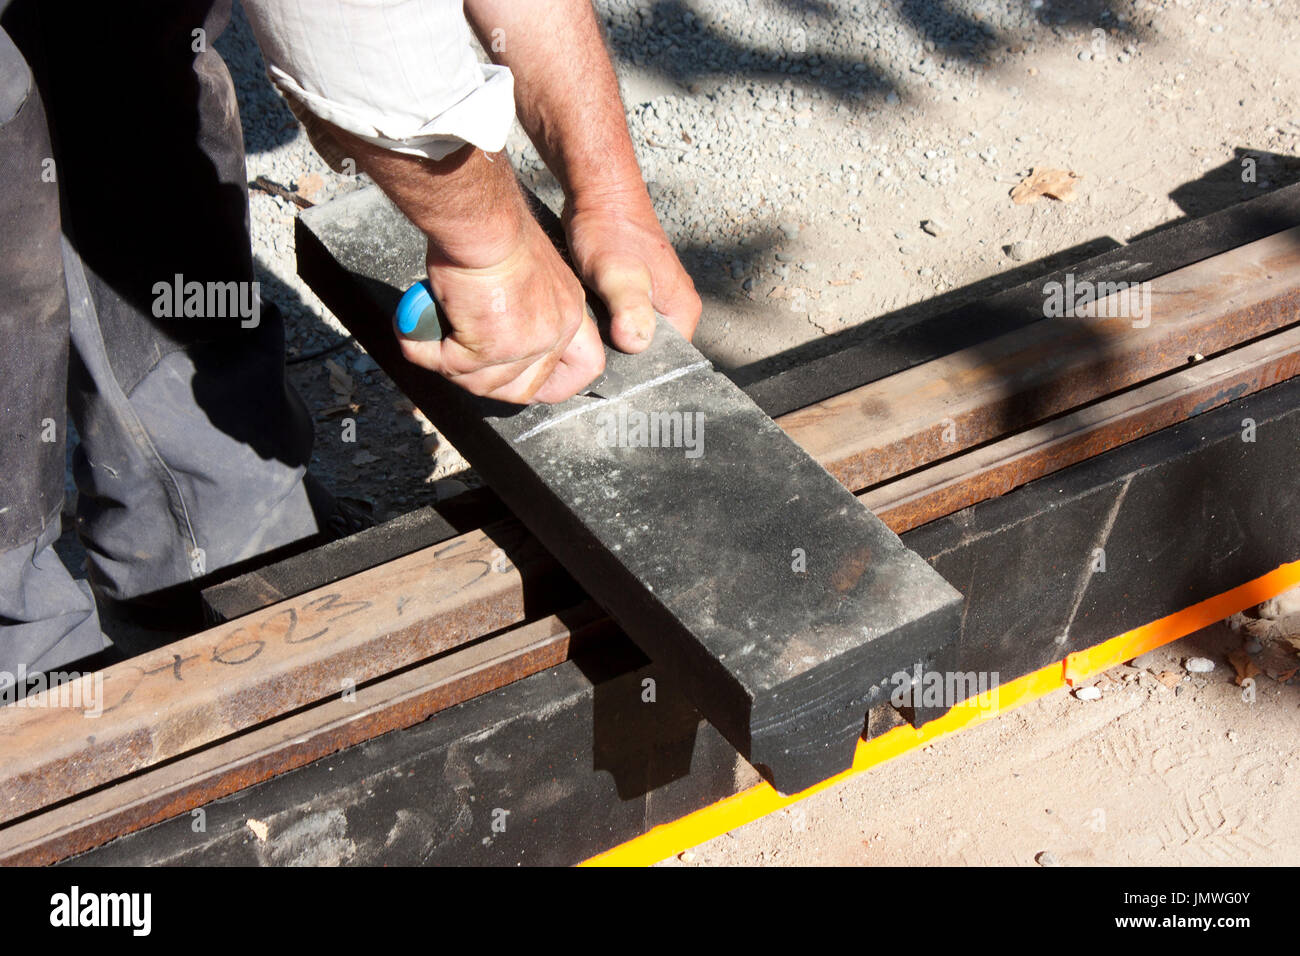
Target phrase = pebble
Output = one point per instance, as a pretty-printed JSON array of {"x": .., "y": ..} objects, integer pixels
[
  {"x": 934, "y": 227},
  {"x": 737, "y": 269},
  {"x": 899, "y": 234},
  {"x": 1046, "y": 858},
  {"x": 687, "y": 857},
  {"x": 790, "y": 230},
  {"x": 1087, "y": 693},
  {"x": 1199, "y": 665},
  {"x": 1144, "y": 661},
  {"x": 449, "y": 488},
  {"x": 363, "y": 364},
  {"x": 1253, "y": 646},
  {"x": 1021, "y": 250}
]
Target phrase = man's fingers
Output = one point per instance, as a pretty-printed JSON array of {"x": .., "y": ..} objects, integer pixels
[
  {"x": 514, "y": 381},
  {"x": 426, "y": 354},
  {"x": 624, "y": 285},
  {"x": 522, "y": 389},
  {"x": 682, "y": 308},
  {"x": 580, "y": 365}
]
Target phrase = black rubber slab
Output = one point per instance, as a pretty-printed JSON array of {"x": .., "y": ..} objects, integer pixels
[
  {"x": 1179, "y": 516},
  {"x": 547, "y": 771},
  {"x": 726, "y": 552}
]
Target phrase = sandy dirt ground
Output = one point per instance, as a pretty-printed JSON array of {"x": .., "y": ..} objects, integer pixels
[{"x": 1195, "y": 774}]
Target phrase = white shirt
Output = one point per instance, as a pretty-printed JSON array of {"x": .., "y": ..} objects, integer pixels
[{"x": 399, "y": 73}]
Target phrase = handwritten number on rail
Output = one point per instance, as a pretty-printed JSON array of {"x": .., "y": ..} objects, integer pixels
[{"x": 329, "y": 602}]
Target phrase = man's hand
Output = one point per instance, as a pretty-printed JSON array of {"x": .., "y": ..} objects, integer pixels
[
  {"x": 567, "y": 99},
  {"x": 620, "y": 250},
  {"x": 520, "y": 328},
  {"x": 520, "y": 331}
]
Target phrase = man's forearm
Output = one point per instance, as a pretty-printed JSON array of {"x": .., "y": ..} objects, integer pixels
[
  {"x": 566, "y": 93},
  {"x": 469, "y": 204}
]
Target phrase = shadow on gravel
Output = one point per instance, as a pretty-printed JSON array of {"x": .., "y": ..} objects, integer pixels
[
  {"x": 927, "y": 329},
  {"x": 1249, "y": 174},
  {"x": 683, "y": 50},
  {"x": 978, "y": 313},
  {"x": 266, "y": 120}
]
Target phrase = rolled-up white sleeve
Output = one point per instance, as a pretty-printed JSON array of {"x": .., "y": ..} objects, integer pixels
[{"x": 402, "y": 74}]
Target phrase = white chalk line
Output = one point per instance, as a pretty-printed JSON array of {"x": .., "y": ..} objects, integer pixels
[{"x": 601, "y": 403}]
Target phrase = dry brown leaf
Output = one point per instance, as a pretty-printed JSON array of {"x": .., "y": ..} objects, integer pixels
[
  {"x": 1277, "y": 659},
  {"x": 1053, "y": 183},
  {"x": 1170, "y": 678},
  {"x": 1243, "y": 665},
  {"x": 309, "y": 185},
  {"x": 340, "y": 380}
]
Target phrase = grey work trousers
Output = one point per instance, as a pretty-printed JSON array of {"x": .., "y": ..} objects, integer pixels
[{"x": 121, "y": 167}]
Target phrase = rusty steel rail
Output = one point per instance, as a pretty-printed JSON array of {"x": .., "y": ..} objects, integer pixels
[
  {"x": 278, "y": 746},
  {"x": 234, "y": 676},
  {"x": 1001, "y": 466},
  {"x": 932, "y": 411}
]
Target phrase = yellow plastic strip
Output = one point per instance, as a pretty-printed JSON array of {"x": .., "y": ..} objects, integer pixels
[{"x": 749, "y": 805}]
